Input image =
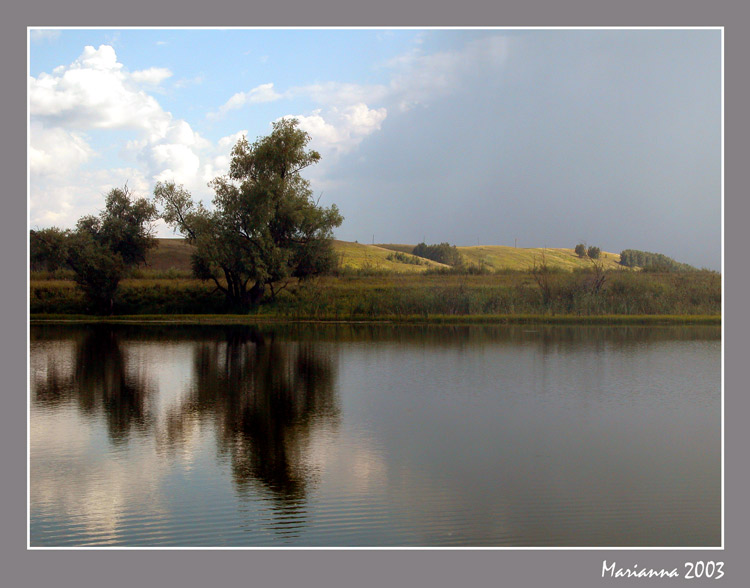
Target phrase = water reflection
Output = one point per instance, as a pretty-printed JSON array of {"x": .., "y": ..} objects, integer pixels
[
  {"x": 374, "y": 435},
  {"x": 265, "y": 396},
  {"x": 100, "y": 382}
]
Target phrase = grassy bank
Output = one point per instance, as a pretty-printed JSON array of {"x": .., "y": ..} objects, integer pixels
[{"x": 624, "y": 297}]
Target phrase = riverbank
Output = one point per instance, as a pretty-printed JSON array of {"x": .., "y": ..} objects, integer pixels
[{"x": 623, "y": 297}]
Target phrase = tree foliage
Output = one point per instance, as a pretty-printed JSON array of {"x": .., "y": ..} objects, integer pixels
[
  {"x": 48, "y": 249},
  {"x": 264, "y": 227},
  {"x": 442, "y": 253},
  {"x": 651, "y": 261},
  {"x": 102, "y": 247},
  {"x": 593, "y": 252},
  {"x": 580, "y": 250}
]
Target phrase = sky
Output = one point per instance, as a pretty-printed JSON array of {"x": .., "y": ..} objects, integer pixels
[{"x": 534, "y": 138}]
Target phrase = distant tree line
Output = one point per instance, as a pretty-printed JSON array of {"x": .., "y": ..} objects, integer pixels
[
  {"x": 652, "y": 261},
  {"x": 442, "y": 253}
]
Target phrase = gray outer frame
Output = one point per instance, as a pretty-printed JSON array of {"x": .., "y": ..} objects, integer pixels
[{"x": 360, "y": 569}]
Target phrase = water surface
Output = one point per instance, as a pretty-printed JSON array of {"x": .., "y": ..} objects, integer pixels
[{"x": 375, "y": 436}]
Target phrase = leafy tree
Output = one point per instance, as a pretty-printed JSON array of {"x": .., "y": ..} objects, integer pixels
[
  {"x": 48, "y": 249},
  {"x": 264, "y": 227},
  {"x": 103, "y": 247},
  {"x": 593, "y": 252},
  {"x": 580, "y": 250}
]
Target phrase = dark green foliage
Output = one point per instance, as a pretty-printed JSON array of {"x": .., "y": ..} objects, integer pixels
[
  {"x": 172, "y": 297},
  {"x": 580, "y": 250},
  {"x": 103, "y": 247},
  {"x": 655, "y": 262},
  {"x": 442, "y": 253},
  {"x": 265, "y": 227},
  {"x": 593, "y": 252},
  {"x": 48, "y": 249}
]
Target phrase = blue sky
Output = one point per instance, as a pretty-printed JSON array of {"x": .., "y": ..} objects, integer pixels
[{"x": 547, "y": 137}]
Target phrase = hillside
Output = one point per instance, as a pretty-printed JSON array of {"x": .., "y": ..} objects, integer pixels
[
  {"x": 499, "y": 257},
  {"x": 502, "y": 257},
  {"x": 175, "y": 254}
]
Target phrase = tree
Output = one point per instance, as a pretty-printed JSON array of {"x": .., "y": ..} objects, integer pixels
[
  {"x": 580, "y": 250},
  {"x": 103, "y": 247},
  {"x": 48, "y": 249},
  {"x": 264, "y": 227},
  {"x": 593, "y": 252}
]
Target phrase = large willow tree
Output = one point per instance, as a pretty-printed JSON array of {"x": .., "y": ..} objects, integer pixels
[{"x": 264, "y": 227}]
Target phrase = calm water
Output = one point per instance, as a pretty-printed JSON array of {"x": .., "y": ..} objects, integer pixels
[{"x": 364, "y": 436}]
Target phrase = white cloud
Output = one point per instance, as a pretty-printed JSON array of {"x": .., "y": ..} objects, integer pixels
[
  {"x": 259, "y": 94},
  {"x": 96, "y": 92},
  {"x": 60, "y": 200},
  {"x": 339, "y": 130},
  {"x": 151, "y": 76},
  {"x": 53, "y": 152}
]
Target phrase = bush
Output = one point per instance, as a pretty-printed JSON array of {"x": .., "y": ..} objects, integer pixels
[
  {"x": 594, "y": 252},
  {"x": 580, "y": 250}
]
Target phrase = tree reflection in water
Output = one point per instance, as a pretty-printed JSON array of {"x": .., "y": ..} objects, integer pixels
[
  {"x": 100, "y": 382},
  {"x": 266, "y": 396}
]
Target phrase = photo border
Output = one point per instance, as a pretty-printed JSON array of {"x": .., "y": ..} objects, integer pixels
[{"x": 516, "y": 567}]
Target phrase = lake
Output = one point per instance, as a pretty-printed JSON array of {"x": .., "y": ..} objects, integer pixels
[{"x": 357, "y": 435}]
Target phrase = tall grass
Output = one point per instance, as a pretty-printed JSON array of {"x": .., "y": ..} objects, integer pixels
[{"x": 368, "y": 293}]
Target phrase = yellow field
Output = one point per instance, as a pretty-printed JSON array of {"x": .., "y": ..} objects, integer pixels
[{"x": 500, "y": 257}]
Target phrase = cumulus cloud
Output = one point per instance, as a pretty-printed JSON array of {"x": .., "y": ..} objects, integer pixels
[
  {"x": 96, "y": 93},
  {"x": 339, "y": 130},
  {"x": 53, "y": 152}
]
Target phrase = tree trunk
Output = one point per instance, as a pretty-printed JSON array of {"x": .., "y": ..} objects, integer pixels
[{"x": 255, "y": 294}]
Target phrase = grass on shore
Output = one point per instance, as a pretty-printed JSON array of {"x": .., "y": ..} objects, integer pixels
[{"x": 412, "y": 297}]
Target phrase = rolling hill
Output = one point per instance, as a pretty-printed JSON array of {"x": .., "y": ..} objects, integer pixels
[{"x": 175, "y": 254}]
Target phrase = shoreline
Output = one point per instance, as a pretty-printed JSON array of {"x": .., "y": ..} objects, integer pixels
[{"x": 216, "y": 319}]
